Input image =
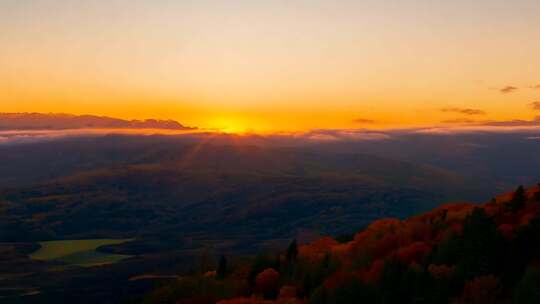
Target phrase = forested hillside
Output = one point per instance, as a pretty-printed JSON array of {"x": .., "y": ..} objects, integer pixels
[{"x": 457, "y": 253}]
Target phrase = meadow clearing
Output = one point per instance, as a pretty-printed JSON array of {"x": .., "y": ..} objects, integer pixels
[{"x": 79, "y": 252}]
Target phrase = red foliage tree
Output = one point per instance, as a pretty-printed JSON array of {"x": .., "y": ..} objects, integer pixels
[
  {"x": 441, "y": 271},
  {"x": 482, "y": 290},
  {"x": 506, "y": 230},
  {"x": 373, "y": 275},
  {"x": 415, "y": 252},
  {"x": 267, "y": 281}
]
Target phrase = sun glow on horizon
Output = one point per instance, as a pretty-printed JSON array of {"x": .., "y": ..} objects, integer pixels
[
  {"x": 273, "y": 66},
  {"x": 234, "y": 125}
]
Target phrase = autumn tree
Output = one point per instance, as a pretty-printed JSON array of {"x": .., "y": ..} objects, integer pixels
[
  {"x": 482, "y": 290},
  {"x": 266, "y": 282},
  {"x": 261, "y": 263}
]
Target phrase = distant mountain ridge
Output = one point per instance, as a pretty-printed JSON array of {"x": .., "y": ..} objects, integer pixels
[{"x": 54, "y": 121}]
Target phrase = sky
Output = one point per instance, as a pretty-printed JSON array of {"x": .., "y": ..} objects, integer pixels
[{"x": 267, "y": 66}]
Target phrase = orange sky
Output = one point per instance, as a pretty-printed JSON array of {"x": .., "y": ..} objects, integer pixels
[{"x": 273, "y": 65}]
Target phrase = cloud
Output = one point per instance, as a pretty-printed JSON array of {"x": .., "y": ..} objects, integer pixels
[
  {"x": 464, "y": 111},
  {"x": 513, "y": 123},
  {"x": 535, "y": 122},
  {"x": 364, "y": 121},
  {"x": 460, "y": 121},
  {"x": 19, "y": 137},
  {"x": 535, "y": 86},
  {"x": 344, "y": 134},
  {"x": 32, "y": 136},
  {"x": 535, "y": 105},
  {"x": 508, "y": 89}
]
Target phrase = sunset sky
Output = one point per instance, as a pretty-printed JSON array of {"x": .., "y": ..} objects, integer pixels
[{"x": 273, "y": 65}]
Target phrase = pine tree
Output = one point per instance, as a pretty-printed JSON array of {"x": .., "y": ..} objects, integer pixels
[
  {"x": 480, "y": 245},
  {"x": 518, "y": 199},
  {"x": 222, "y": 268},
  {"x": 292, "y": 252}
]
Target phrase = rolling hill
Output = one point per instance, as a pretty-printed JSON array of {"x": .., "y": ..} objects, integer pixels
[
  {"x": 247, "y": 192},
  {"x": 456, "y": 253}
]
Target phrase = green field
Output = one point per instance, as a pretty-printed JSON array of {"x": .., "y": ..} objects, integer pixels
[{"x": 78, "y": 252}]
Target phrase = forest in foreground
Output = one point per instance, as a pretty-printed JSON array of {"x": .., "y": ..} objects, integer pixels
[{"x": 456, "y": 253}]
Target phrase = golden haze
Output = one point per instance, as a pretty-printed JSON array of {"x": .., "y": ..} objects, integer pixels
[{"x": 272, "y": 66}]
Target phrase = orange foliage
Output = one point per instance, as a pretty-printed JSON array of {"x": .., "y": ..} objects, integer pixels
[
  {"x": 210, "y": 274},
  {"x": 386, "y": 245},
  {"x": 419, "y": 231},
  {"x": 482, "y": 290},
  {"x": 373, "y": 275},
  {"x": 441, "y": 271},
  {"x": 458, "y": 214},
  {"x": 507, "y": 231},
  {"x": 287, "y": 292},
  {"x": 381, "y": 227},
  {"x": 456, "y": 228},
  {"x": 527, "y": 218},
  {"x": 267, "y": 280},
  {"x": 415, "y": 252},
  {"x": 339, "y": 278},
  {"x": 318, "y": 249}
]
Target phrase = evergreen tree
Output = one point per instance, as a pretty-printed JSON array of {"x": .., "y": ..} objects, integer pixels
[
  {"x": 528, "y": 289},
  {"x": 537, "y": 195},
  {"x": 292, "y": 252},
  {"x": 307, "y": 285},
  {"x": 480, "y": 245},
  {"x": 222, "y": 268},
  {"x": 518, "y": 199}
]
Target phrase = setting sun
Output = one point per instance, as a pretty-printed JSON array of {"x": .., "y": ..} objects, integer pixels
[
  {"x": 278, "y": 66},
  {"x": 270, "y": 151},
  {"x": 229, "y": 125}
]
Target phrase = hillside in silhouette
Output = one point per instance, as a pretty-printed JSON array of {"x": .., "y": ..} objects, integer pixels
[{"x": 41, "y": 121}]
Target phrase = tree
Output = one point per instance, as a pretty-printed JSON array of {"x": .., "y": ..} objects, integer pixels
[
  {"x": 523, "y": 249},
  {"x": 482, "y": 290},
  {"x": 222, "y": 268},
  {"x": 267, "y": 282},
  {"x": 391, "y": 290},
  {"x": 480, "y": 246},
  {"x": 518, "y": 199},
  {"x": 319, "y": 296},
  {"x": 261, "y": 263},
  {"x": 537, "y": 195},
  {"x": 528, "y": 289},
  {"x": 292, "y": 252},
  {"x": 353, "y": 291}
]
